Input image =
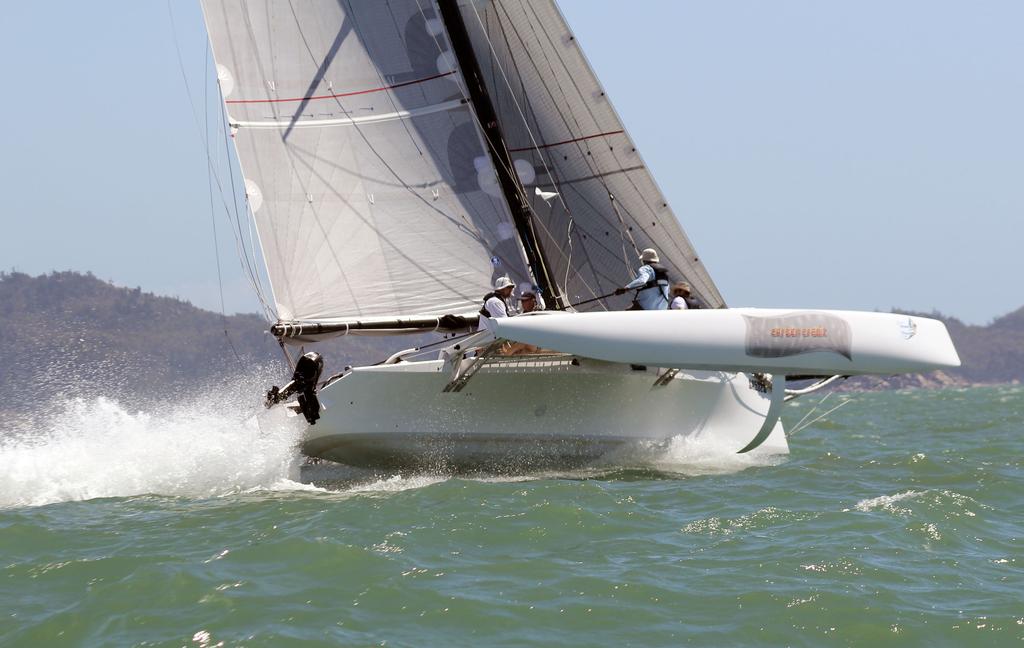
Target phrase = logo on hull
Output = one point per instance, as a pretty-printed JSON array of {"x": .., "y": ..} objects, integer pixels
[
  {"x": 908, "y": 329},
  {"x": 788, "y": 335}
]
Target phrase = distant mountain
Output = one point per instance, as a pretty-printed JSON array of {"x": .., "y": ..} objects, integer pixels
[
  {"x": 992, "y": 354},
  {"x": 71, "y": 333},
  {"x": 988, "y": 355}
]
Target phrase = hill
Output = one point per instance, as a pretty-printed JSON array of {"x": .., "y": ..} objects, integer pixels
[
  {"x": 990, "y": 354},
  {"x": 73, "y": 334}
]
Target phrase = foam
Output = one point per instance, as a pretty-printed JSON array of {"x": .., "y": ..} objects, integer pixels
[
  {"x": 706, "y": 455},
  {"x": 397, "y": 484},
  {"x": 92, "y": 448},
  {"x": 886, "y": 502}
]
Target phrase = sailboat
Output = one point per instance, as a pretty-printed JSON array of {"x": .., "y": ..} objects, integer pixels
[{"x": 400, "y": 157}]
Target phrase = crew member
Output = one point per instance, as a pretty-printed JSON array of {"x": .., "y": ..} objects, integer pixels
[
  {"x": 680, "y": 295},
  {"x": 651, "y": 284},
  {"x": 496, "y": 302},
  {"x": 529, "y": 300}
]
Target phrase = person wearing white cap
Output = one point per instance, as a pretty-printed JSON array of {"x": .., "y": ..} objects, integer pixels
[
  {"x": 529, "y": 299},
  {"x": 680, "y": 295},
  {"x": 651, "y": 283},
  {"x": 496, "y": 302}
]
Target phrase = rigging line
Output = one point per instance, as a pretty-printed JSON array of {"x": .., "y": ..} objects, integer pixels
[
  {"x": 204, "y": 138},
  {"x": 622, "y": 231},
  {"x": 256, "y": 47},
  {"x": 284, "y": 283},
  {"x": 575, "y": 85},
  {"x": 581, "y": 150},
  {"x": 505, "y": 163},
  {"x": 340, "y": 94},
  {"x": 524, "y": 216},
  {"x": 199, "y": 130},
  {"x": 390, "y": 96},
  {"x": 248, "y": 256},
  {"x": 350, "y": 13},
  {"x": 449, "y": 201},
  {"x": 623, "y": 227},
  {"x": 807, "y": 425},
  {"x": 502, "y": 208},
  {"x": 420, "y": 350},
  {"x": 687, "y": 250},
  {"x": 292, "y": 160},
  {"x": 235, "y": 219},
  {"x": 553, "y": 174},
  {"x": 213, "y": 211},
  {"x": 812, "y": 410},
  {"x": 469, "y": 104},
  {"x": 396, "y": 249},
  {"x": 565, "y": 99},
  {"x": 796, "y": 393},
  {"x": 409, "y": 188},
  {"x": 487, "y": 144},
  {"x": 590, "y": 112},
  {"x": 584, "y": 154},
  {"x": 515, "y": 101},
  {"x": 568, "y": 141}
]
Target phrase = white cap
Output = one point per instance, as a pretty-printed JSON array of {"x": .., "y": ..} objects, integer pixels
[
  {"x": 649, "y": 255},
  {"x": 503, "y": 282}
]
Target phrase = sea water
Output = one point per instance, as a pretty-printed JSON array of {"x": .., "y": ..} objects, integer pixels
[{"x": 897, "y": 519}]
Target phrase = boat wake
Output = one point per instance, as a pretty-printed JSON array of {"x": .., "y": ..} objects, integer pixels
[
  {"x": 707, "y": 455},
  {"x": 681, "y": 457},
  {"x": 92, "y": 448},
  {"x": 89, "y": 448}
]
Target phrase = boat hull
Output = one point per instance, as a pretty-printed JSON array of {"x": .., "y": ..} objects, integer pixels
[
  {"x": 516, "y": 415},
  {"x": 777, "y": 341}
]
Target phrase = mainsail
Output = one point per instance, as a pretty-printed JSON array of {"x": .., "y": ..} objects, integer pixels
[
  {"x": 560, "y": 126},
  {"x": 374, "y": 185},
  {"x": 364, "y": 167}
]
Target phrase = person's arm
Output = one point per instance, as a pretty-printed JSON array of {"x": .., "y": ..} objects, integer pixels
[{"x": 645, "y": 274}]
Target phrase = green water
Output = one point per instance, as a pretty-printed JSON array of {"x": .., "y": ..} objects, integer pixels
[{"x": 896, "y": 520}]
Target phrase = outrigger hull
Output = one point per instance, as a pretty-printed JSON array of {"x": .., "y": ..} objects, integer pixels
[{"x": 520, "y": 414}]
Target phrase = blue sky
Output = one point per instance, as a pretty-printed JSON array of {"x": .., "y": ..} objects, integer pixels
[{"x": 819, "y": 154}]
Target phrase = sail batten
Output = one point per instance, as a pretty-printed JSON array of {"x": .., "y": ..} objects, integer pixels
[
  {"x": 558, "y": 119},
  {"x": 349, "y": 121},
  {"x": 364, "y": 168}
]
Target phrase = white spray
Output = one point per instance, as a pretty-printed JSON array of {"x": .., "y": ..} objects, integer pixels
[{"x": 89, "y": 448}]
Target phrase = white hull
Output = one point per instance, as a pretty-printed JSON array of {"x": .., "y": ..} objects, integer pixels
[
  {"x": 777, "y": 341},
  {"x": 521, "y": 414}
]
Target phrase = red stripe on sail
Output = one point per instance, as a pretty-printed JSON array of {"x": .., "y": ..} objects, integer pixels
[
  {"x": 343, "y": 94},
  {"x": 568, "y": 141}
]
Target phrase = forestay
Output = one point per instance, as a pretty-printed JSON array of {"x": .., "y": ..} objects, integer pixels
[
  {"x": 364, "y": 168},
  {"x": 565, "y": 137}
]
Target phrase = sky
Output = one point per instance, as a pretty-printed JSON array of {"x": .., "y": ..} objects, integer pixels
[{"x": 862, "y": 155}]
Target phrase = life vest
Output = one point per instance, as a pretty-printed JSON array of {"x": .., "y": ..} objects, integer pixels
[
  {"x": 483, "y": 310},
  {"x": 660, "y": 281}
]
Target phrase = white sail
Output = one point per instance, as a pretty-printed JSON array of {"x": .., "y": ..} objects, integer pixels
[
  {"x": 364, "y": 167},
  {"x": 564, "y": 135}
]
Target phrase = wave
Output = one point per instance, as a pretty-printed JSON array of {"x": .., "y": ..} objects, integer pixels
[{"x": 92, "y": 448}]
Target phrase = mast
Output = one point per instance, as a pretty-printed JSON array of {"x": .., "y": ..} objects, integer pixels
[{"x": 487, "y": 117}]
